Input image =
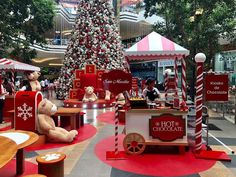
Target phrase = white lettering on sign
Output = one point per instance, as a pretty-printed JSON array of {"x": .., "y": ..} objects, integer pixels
[
  {"x": 168, "y": 63},
  {"x": 118, "y": 81},
  {"x": 216, "y": 92},
  {"x": 216, "y": 83},
  {"x": 170, "y": 126}
]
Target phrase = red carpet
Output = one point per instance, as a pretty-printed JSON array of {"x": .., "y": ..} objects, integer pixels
[
  {"x": 153, "y": 164},
  {"x": 108, "y": 117},
  {"x": 9, "y": 170},
  {"x": 84, "y": 133}
]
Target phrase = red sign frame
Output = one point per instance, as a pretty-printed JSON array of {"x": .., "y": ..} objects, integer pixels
[
  {"x": 117, "y": 81},
  {"x": 167, "y": 127},
  {"x": 216, "y": 87}
]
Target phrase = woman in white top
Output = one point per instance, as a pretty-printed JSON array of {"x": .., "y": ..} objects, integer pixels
[{"x": 3, "y": 92}]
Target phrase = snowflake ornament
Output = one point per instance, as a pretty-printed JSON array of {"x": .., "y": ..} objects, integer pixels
[{"x": 25, "y": 111}]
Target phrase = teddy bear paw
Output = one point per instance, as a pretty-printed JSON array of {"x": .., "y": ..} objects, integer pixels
[{"x": 74, "y": 132}]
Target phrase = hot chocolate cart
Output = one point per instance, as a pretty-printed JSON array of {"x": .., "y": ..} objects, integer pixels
[{"x": 162, "y": 127}]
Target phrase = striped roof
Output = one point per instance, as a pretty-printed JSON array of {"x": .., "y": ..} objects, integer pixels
[
  {"x": 155, "y": 46},
  {"x": 9, "y": 64}
]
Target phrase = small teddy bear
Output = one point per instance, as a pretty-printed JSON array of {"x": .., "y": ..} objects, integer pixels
[
  {"x": 33, "y": 83},
  {"x": 89, "y": 95},
  {"x": 46, "y": 125}
]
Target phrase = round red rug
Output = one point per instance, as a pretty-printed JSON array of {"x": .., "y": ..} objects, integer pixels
[
  {"x": 85, "y": 132},
  {"x": 9, "y": 170},
  {"x": 108, "y": 117},
  {"x": 153, "y": 164}
]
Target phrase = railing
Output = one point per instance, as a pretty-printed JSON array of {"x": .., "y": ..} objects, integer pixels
[{"x": 225, "y": 109}]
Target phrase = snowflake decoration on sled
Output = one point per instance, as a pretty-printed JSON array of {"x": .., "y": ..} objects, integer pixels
[{"x": 25, "y": 111}]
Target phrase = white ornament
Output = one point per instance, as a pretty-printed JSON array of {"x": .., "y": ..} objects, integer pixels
[{"x": 25, "y": 111}]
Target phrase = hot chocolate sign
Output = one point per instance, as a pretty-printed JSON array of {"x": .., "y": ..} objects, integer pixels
[
  {"x": 167, "y": 127},
  {"x": 117, "y": 81}
]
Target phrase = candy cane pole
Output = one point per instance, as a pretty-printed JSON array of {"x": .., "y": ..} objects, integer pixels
[
  {"x": 167, "y": 71},
  {"x": 176, "y": 78},
  {"x": 117, "y": 105},
  {"x": 184, "y": 88},
  {"x": 12, "y": 82},
  {"x": 199, "y": 58}
]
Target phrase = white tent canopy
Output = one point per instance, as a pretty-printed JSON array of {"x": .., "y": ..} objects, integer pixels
[
  {"x": 9, "y": 64},
  {"x": 154, "y": 46}
]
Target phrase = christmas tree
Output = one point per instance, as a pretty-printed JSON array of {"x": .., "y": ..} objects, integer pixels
[{"x": 95, "y": 40}]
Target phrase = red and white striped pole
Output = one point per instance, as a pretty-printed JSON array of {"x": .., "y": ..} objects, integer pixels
[
  {"x": 199, "y": 58},
  {"x": 167, "y": 72},
  {"x": 184, "y": 87},
  {"x": 176, "y": 77},
  {"x": 12, "y": 82},
  {"x": 117, "y": 105}
]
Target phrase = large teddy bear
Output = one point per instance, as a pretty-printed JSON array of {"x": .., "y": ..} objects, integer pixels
[
  {"x": 33, "y": 83},
  {"x": 46, "y": 125},
  {"x": 89, "y": 95}
]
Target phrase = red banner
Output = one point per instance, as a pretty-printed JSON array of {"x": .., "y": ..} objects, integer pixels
[
  {"x": 167, "y": 127},
  {"x": 216, "y": 87},
  {"x": 117, "y": 81}
]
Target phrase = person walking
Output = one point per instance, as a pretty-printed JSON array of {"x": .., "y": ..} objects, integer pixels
[{"x": 3, "y": 92}]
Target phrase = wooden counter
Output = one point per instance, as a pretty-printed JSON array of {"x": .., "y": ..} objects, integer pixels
[{"x": 160, "y": 110}]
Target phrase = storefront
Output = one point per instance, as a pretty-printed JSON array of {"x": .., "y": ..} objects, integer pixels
[{"x": 226, "y": 62}]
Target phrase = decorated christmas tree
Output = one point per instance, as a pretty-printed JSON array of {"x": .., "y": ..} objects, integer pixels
[{"x": 95, "y": 40}]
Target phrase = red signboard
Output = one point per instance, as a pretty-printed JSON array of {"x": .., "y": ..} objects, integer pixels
[
  {"x": 216, "y": 87},
  {"x": 117, "y": 81},
  {"x": 90, "y": 68},
  {"x": 167, "y": 127},
  {"x": 78, "y": 73},
  {"x": 171, "y": 83}
]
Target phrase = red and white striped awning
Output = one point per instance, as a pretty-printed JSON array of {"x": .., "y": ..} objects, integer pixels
[
  {"x": 155, "y": 47},
  {"x": 9, "y": 64},
  {"x": 129, "y": 2}
]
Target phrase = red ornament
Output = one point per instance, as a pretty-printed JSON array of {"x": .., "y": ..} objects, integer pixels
[{"x": 183, "y": 106}]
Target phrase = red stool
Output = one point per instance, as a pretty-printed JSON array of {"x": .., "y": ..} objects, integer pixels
[{"x": 51, "y": 164}]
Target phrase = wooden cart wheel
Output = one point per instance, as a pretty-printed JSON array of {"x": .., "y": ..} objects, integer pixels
[{"x": 134, "y": 143}]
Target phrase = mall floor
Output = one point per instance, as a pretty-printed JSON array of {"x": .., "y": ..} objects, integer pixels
[{"x": 82, "y": 162}]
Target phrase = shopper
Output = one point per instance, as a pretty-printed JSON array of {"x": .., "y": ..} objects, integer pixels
[
  {"x": 7, "y": 85},
  {"x": 3, "y": 92},
  {"x": 151, "y": 93}
]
